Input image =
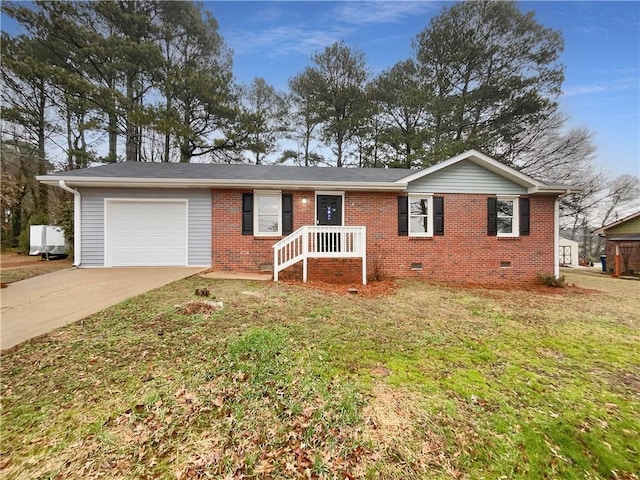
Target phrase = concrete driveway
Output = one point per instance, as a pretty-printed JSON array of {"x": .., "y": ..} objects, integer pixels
[{"x": 38, "y": 305}]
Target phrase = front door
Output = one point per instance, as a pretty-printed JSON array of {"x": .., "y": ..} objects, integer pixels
[
  {"x": 328, "y": 213},
  {"x": 329, "y": 209}
]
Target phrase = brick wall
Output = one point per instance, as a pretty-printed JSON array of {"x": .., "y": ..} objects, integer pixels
[
  {"x": 232, "y": 251},
  {"x": 634, "y": 255},
  {"x": 464, "y": 254}
]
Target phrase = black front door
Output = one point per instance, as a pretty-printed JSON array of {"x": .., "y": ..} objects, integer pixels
[
  {"x": 329, "y": 209},
  {"x": 328, "y": 212}
]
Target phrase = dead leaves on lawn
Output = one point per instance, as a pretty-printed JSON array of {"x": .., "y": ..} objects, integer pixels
[
  {"x": 235, "y": 422},
  {"x": 406, "y": 445}
]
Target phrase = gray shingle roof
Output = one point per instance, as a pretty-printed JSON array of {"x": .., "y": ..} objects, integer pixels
[{"x": 189, "y": 171}]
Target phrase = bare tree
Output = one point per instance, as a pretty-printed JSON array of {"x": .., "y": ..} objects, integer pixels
[{"x": 600, "y": 203}]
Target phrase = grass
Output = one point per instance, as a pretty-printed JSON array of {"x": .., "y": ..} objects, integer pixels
[{"x": 432, "y": 382}]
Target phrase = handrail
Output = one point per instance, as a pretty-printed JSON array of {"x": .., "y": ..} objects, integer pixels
[{"x": 320, "y": 242}]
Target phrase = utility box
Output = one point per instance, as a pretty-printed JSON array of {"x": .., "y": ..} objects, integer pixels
[{"x": 47, "y": 241}]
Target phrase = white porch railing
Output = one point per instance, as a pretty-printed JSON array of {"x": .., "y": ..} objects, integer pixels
[{"x": 320, "y": 242}]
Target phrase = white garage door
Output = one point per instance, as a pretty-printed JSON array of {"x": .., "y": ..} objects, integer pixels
[{"x": 146, "y": 233}]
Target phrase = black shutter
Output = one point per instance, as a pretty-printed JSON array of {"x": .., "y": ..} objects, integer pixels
[
  {"x": 524, "y": 216},
  {"x": 492, "y": 216},
  {"x": 438, "y": 216},
  {"x": 247, "y": 214},
  {"x": 287, "y": 213},
  {"x": 403, "y": 216}
]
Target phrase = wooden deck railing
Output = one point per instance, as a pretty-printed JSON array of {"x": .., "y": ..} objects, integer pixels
[{"x": 320, "y": 242}]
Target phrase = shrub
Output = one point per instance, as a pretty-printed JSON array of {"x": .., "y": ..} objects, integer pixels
[
  {"x": 376, "y": 272},
  {"x": 550, "y": 280}
]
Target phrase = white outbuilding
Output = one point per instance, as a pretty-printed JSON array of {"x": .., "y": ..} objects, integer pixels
[{"x": 569, "y": 256}]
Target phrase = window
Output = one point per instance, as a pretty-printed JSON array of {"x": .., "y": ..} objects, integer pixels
[
  {"x": 267, "y": 220},
  {"x": 267, "y": 213},
  {"x": 420, "y": 215},
  {"x": 504, "y": 220}
]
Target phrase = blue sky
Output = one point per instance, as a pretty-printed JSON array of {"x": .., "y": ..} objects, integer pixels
[{"x": 275, "y": 40}]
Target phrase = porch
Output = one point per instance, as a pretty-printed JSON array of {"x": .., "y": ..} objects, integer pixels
[{"x": 320, "y": 242}]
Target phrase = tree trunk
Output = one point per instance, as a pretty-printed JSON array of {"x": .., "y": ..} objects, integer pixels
[
  {"x": 167, "y": 135},
  {"x": 306, "y": 149},
  {"x": 113, "y": 138},
  {"x": 339, "y": 142},
  {"x": 70, "y": 163},
  {"x": 43, "y": 191},
  {"x": 185, "y": 147},
  {"x": 131, "y": 144},
  {"x": 167, "y": 146}
]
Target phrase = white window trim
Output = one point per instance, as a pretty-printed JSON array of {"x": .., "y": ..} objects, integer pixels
[
  {"x": 429, "y": 232},
  {"x": 515, "y": 224},
  {"x": 256, "y": 214}
]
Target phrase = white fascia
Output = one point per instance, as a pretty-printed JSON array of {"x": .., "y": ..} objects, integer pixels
[
  {"x": 210, "y": 183},
  {"x": 555, "y": 189}
]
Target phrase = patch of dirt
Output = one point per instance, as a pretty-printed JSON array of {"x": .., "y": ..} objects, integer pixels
[
  {"x": 629, "y": 381},
  {"x": 199, "y": 307},
  {"x": 372, "y": 289},
  {"x": 380, "y": 371},
  {"x": 16, "y": 260},
  {"x": 15, "y": 267},
  {"x": 498, "y": 290},
  {"x": 389, "y": 287}
]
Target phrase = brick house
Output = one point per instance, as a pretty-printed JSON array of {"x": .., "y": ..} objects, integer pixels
[
  {"x": 622, "y": 246},
  {"x": 470, "y": 219}
]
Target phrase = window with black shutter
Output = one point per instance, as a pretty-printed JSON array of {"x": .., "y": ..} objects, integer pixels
[
  {"x": 524, "y": 216},
  {"x": 287, "y": 213},
  {"x": 438, "y": 216},
  {"x": 403, "y": 216},
  {"x": 492, "y": 216},
  {"x": 247, "y": 214}
]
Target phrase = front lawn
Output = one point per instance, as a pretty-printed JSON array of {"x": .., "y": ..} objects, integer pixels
[{"x": 286, "y": 381}]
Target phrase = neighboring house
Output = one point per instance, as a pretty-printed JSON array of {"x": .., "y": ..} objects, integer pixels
[
  {"x": 568, "y": 253},
  {"x": 622, "y": 244},
  {"x": 468, "y": 219}
]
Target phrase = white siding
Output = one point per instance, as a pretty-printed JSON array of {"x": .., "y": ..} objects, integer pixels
[
  {"x": 465, "y": 177},
  {"x": 199, "y": 235}
]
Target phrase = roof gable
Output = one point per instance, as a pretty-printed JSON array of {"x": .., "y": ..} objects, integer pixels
[
  {"x": 483, "y": 161},
  {"x": 466, "y": 177},
  {"x": 632, "y": 221}
]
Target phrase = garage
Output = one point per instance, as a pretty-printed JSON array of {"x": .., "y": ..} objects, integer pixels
[{"x": 145, "y": 233}]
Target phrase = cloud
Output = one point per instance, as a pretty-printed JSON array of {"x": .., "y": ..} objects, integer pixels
[
  {"x": 284, "y": 40},
  {"x": 361, "y": 13},
  {"x": 295, "y": 33},
  {"x": 613, "y": 86}
]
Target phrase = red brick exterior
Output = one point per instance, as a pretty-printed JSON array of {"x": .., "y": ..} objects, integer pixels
[
  {"x": 634, "y": 255},
  {"x": 465, "y": 254}
]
